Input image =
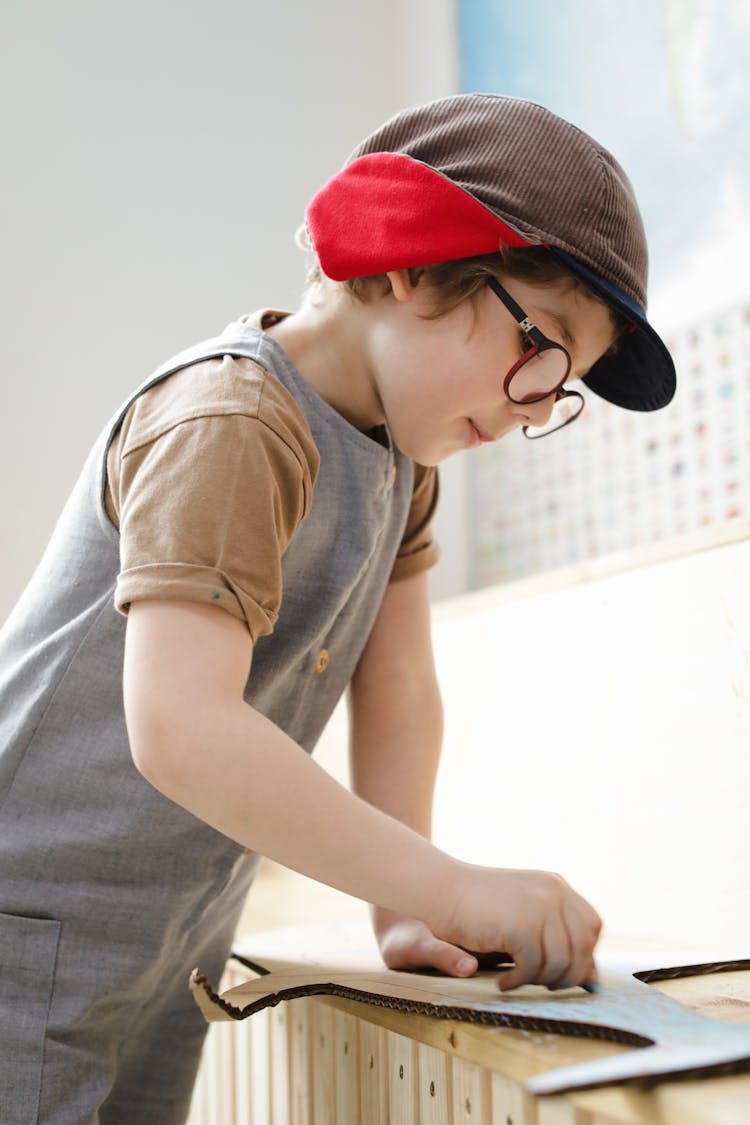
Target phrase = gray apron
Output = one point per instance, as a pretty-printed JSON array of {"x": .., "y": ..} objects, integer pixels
[{"x": 110, "y": 893}]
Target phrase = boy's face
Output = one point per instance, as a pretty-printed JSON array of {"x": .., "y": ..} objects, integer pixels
[{"x": 440, "y": 382}]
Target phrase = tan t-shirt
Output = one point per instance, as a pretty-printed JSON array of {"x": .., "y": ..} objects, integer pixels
[{"x": 207, "y": 480}]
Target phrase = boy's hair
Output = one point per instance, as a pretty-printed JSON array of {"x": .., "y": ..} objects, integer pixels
[
  {"x": 470, "y": 175},
  {"x": 463, "y": 278}
]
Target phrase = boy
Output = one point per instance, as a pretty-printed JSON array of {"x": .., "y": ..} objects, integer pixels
[{"x": 258, "y": 513}]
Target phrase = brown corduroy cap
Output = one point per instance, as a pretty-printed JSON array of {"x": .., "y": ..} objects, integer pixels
[{"x": 469, "y": 174}]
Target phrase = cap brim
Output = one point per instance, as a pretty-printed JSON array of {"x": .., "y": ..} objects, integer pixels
[{"x": 640, "y": 375}]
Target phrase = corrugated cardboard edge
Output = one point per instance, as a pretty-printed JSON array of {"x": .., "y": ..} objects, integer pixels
[
  {"x": 216, "y": 1008},
  {"x": 206, "y": 999}
]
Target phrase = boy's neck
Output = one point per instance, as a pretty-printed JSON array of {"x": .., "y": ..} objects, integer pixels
[{"x": 326, "y": 339}]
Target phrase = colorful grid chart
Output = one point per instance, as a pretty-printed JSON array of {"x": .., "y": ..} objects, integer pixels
[{"x": 616, "y": 479}]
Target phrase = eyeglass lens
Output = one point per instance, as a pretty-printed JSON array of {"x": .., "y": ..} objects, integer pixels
[
  {"x": 538, "y": 375},
  {"x": 564, "y": 411}
]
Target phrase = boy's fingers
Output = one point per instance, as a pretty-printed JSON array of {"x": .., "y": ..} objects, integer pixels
[
  {"x": 528, "y": 962},
  {"x": 592, "y": 974},
  {"x": 564, "y": 956},
  {"x": 453, "y": 961},
  {"x": 420, "y": 949},
  {"x": 583, "y": 925},
  {"x": 557, "y": 952},
  {"x": 431, "y": 953}
]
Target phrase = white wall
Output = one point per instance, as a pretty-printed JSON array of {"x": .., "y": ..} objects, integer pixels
[
  {"x": 157, "y": 161},
  {"x": 598, "y": 724}
]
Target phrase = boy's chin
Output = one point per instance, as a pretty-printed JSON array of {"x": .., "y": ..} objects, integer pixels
[
  {"x": 429, "y": 459},
  {"x": 429, "y": 454}
]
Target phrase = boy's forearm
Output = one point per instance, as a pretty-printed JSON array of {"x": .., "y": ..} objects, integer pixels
[
  {"x": 395, "y": 752},
  {"x": 395, "y": 709},
  {"x": 394, "y": 758},
  {"x": 237, "y": 771}
]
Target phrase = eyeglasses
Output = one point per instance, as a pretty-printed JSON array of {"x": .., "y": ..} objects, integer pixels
[{"x": 540, "y": 372}]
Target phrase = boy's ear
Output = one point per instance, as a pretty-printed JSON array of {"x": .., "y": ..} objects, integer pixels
[{"x": 404, "y": 283}]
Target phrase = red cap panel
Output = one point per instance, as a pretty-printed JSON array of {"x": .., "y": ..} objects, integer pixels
[{"x": 385, "y": 211}]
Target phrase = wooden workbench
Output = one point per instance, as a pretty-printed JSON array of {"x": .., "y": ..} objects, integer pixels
[{"x": 339, "y": 1062}]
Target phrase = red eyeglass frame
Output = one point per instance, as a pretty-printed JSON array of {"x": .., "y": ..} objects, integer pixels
[{"x": 541, "y": 343}]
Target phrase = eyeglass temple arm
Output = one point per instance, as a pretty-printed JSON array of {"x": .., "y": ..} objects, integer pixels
[{"x": 515, "y": 310}]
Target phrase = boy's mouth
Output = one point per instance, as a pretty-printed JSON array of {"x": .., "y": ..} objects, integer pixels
[{"x": 482, "y": 437}]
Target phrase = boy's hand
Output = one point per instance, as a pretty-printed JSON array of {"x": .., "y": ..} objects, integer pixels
[
  {"x": 547, "y": 928},
  {"x": 407, "y": 943}
]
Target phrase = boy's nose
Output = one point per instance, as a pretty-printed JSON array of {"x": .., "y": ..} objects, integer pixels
[{"x": 539, "y": 413}]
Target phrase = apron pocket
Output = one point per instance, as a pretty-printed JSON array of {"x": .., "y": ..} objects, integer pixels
[{"x": 28, "y": 952}]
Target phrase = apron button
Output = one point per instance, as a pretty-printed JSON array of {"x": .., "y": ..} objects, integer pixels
[{"x": 324, "y": 660}]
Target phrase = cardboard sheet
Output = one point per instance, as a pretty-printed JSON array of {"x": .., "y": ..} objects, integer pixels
[{"x": 669, "y": 1038}]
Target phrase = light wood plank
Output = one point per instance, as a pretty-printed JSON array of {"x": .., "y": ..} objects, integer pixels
[
  {"x": 244, "y": 1111},
  {"x": 300, "y": 1062},
  {"x": 403, "y": 1080},
  {"x": 252, "y": 1077},
  {"x": 472, "y": 1094},
  {"x": 373, "y": 1075},
  {"x": 518, "y": 1054},
  {"x": 279, "y": 1065},
  {"x": 324, "y": 1065},
  {"x": 721, "y": 996},
  {"x": 346, "y": 1032},
  {"x": 511, "y": 1104},
  {"x": 241, "y": 1045},
  {"x": 560, "y": 1111},
  {"x": 260, "y": 1068},
  {"x": 435, "y": 1087},
  {"x": 218, "y": 1064},
  {"x": 708, "y": 1101}
]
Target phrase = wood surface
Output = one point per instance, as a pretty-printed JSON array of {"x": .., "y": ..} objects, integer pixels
[
  {"x": 669, "y": 1036},
  {"x": 512, "y": 1056},
  {"x": 390, "y": 1066}
]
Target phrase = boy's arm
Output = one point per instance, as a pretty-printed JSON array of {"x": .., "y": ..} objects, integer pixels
[
  {"x": 395, "y": 709},
  {"x": 396, "y": 730},
  {"x": 196, "y": 740}
]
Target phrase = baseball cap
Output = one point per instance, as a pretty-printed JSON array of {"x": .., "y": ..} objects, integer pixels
[{"x": 468, "y": 174}]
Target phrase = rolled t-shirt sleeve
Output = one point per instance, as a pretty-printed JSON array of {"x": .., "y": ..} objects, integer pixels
[
  {"x": 418, "y": 550},
  {"x": 207, "y": 504}
]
